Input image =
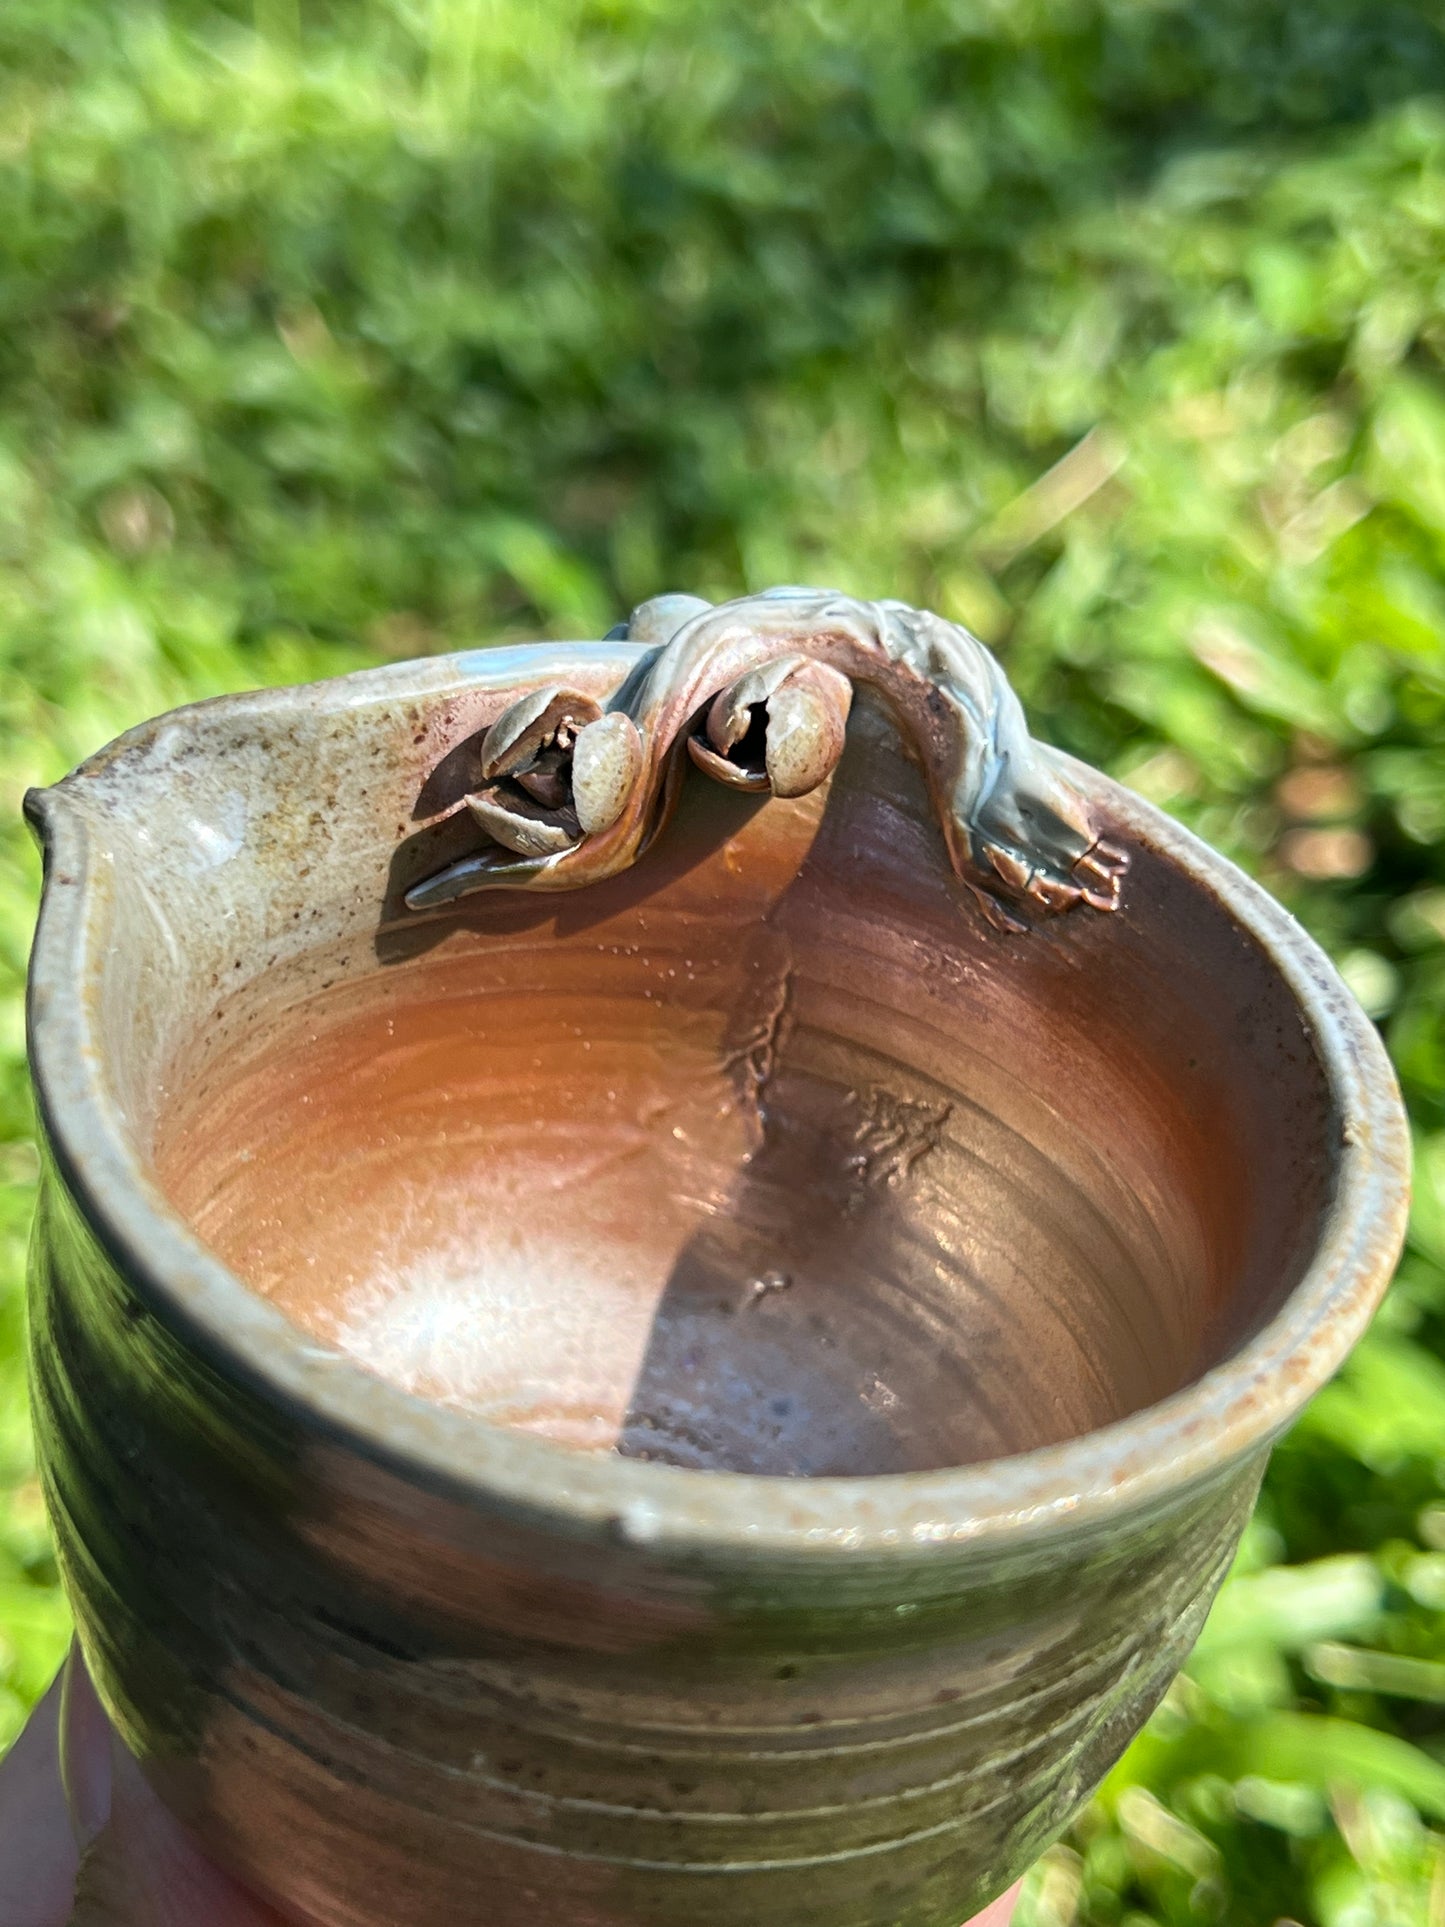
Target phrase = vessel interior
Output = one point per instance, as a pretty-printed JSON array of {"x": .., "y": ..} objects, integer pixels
[{"x": 771, "y": 1155}]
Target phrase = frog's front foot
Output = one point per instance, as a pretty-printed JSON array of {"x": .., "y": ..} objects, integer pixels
[
  {"x": 1096, "y": 878},
  {"x": 1100, "y": 871}
]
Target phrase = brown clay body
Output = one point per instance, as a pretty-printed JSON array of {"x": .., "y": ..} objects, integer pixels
[{"x": 723, "y": 1397}]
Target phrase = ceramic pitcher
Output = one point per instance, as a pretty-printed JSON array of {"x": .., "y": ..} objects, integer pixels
[{"x": 666, "y": 1267}]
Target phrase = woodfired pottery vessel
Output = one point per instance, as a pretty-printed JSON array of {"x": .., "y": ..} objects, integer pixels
[{"x": 616, "y": 1348}]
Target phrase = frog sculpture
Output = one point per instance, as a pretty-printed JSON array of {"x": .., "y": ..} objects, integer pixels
[{"x": 756, "y": 692}]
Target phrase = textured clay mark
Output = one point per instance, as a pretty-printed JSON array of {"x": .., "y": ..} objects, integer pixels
[
  {"x": 753, "y": 1059},
  {"x": 890, "y": 1137},
  {"x": 767, "y": 1286}
]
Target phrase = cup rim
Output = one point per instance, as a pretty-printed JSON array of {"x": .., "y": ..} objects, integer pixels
[{"x": 1148, "y": 1458}]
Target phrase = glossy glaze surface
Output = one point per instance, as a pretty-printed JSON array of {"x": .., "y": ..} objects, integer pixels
[{"x": 771, "y": 1163}]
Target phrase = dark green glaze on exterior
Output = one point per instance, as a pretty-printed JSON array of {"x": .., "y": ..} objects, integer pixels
[{"x": 606, "y": 1730}]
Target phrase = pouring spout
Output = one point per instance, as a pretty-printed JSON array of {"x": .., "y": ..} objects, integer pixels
[{"x": 39, "y": 806}]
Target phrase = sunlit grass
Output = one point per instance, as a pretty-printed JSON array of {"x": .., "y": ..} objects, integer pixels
[{"x": 1116, "y": 330}]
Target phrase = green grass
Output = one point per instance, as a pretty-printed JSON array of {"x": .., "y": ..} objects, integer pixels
[{"x": 1115, "y": 328}]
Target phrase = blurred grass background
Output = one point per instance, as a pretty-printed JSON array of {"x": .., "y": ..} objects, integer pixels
[{"x": 1114, "y": 328}]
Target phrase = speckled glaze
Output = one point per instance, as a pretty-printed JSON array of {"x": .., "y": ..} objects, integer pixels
[{"x": 396, "y": 1663}]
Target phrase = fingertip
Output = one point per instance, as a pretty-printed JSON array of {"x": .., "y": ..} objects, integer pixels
[
  {"x": 85, "y": 1755},
  {"x": 999, "y": 1912},
  {"x": 145, "y": 1870},
  {"x": 37, "y": 1853}
]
